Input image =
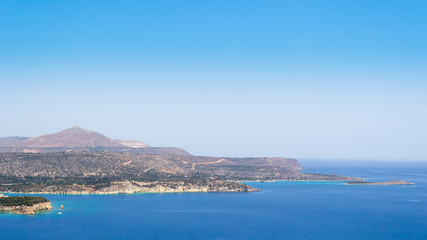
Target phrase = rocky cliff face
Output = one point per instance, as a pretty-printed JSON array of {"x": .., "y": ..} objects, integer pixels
[
  {"x": 27, "y": 209},
  {"x": 123, "y": 187}
]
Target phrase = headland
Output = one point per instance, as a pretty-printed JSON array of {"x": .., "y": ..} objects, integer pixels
[
  {"x": 79, "y": 161},
  {"x": 24, "y": 204}
]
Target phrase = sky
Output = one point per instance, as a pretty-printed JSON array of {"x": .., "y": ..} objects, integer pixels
[{"x": 330, "y": 79}]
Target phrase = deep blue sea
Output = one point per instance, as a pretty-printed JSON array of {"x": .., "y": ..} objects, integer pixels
[{"x": 283, "y": 210}]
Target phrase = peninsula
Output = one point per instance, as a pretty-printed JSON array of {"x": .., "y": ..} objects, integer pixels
[
  {"x": 24, "y": 204},
  {"x": 396, "y": 182},
  {"x": 79, "y": 161}
]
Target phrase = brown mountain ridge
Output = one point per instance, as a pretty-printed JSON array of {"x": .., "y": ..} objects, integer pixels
[
  {"x": 79, "y": 139},
  {"x": 69, "y": 138}
]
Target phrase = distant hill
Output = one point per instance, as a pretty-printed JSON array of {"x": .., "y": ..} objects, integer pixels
[
  {"x": 71, "y": 137},
  {"x": 79, "y": 139},
  {"x": 12, "y": 141}
]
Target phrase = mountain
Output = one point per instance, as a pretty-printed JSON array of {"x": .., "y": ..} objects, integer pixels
[
  {"x": 69, "y": 138},
  {"x": 74, "y": 137},
  {"x": 12, "y": 141},
  {"x": 79, "y": 139}
]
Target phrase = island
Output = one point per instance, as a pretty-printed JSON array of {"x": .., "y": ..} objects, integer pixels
[
  {"x": 24, "y": 204},
  {"x": 395, "y": 182}
]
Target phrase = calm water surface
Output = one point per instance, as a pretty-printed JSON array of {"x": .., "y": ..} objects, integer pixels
[{"x": 283, "y": 210}]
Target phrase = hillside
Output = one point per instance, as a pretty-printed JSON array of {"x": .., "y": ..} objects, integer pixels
[
  {"x": 12, "y": 141},
  {"x": 79, "y": 139},
  {"x": 148, "y": 167},
  {"x": 69, "y": 138},
  {"x": 76, "y": 160}
]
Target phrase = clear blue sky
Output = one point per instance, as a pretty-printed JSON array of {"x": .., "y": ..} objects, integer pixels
[{"x": 305, "y": 79}]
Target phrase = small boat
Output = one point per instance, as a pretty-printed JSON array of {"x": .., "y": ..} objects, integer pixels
[
  {"x": 60, "y": 213},
  {"x": 62, "y": 207}
]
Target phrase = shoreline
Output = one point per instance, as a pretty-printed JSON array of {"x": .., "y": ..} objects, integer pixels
[
  {"x": 190, "y": 191},
  {"x": 253, "y": 189},
  {"x": 285, "y": 180},
  {"x": 103, "y": 194}
]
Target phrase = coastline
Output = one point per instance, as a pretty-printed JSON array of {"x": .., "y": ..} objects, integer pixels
[
  {"x": 253, "y": 189},
  {"x": 104, "y": 194},
  {"x": 287, "y": 180},
  {"x": 132, "y": 187},
  {"x": 202, "y": 189},
  {"x": 388, "y": 183}
]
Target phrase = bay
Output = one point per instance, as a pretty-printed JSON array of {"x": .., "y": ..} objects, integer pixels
[{"x": 283, "y": 210}]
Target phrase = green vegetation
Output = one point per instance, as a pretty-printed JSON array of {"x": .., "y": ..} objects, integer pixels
[{"x": 21, "y": 201}]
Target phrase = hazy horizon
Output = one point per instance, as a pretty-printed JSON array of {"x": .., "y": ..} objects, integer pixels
[{"x": 301, "y": 79}]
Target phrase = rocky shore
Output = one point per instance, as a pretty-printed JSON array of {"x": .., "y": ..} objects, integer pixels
[
  {"x": 396, "y": 182},
  {"x": 28, "y": 210},
  {"x": 125, "y": 187},
  {"x": 24, "y": 204}
]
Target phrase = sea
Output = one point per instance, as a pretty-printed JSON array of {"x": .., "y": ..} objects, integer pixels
[{"x": 282, "y": 210}]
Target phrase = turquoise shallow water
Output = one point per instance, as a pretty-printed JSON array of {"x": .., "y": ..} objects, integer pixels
[{"x": 283, "y": 210}]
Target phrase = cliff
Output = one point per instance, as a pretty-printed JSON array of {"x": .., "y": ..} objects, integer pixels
[
  {"x": 27, "y": 209},
  {"x": 24, "y": 204},
  {"x": 123, "y": 187}
]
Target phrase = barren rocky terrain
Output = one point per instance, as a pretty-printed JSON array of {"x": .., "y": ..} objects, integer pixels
[{"x": 78, "y": 160}]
